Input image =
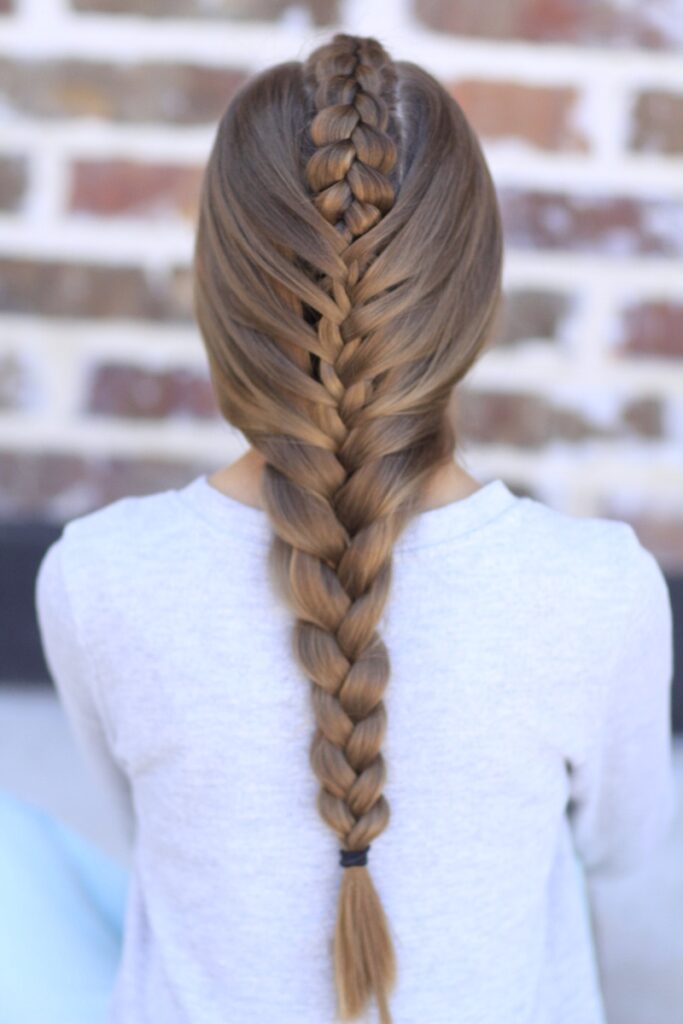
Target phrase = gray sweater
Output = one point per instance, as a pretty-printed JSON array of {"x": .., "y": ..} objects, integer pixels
[{"x": 528, "y": 748}]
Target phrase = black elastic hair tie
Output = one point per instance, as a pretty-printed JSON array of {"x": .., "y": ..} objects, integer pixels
[{"x": 354, "y": 858}]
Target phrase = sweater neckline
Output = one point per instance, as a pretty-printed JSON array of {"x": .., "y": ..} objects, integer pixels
[{"x": 432, "y": 526}]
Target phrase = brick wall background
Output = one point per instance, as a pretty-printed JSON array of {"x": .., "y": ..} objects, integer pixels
[{"x": 107, "y": 112}]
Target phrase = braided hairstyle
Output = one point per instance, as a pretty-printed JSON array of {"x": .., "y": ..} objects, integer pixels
[{"x": 347, "y": 273}]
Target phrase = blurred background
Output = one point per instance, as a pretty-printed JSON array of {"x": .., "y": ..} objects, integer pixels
[{"x": 107, "y": 112}]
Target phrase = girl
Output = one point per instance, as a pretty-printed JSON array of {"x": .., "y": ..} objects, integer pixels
[{"x": 368, "y": 721}]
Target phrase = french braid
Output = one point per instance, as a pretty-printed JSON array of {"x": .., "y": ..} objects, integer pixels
[
  {"x": 337, "y": 320},
  {"x": 338, "y": 584},
  {"x": 353, "y": 85}
]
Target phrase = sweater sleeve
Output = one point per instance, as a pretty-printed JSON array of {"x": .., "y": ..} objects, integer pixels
[
  {"x": 623, "y": 798},
  {"x": 67, "y": 657}
]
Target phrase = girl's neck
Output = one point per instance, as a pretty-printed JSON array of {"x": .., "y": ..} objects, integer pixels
[{"x": 241, "y": 480}]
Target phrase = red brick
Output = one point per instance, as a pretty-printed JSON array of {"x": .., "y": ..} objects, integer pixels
[
  {"x": 531, "y": 314},
  {"x": 643, "y": 417},
  {"x": 541, "y": 116},
  {"x": 527, "y": 420},
  {"x": 82, "y": 289},
  {"x": 176, "y": 93},
  {"x": 322, "y": 12},
  {"x": 59, "y": 485},
  {"x": 136, "y": 392},
  {"x": 657, "y": 123},
  {"x": 598, "y": 22},
  {"x": 652, "y": 329},
  {"x": 524, "y": 420},
  {"x": 619, "y": 225},
  {"x": 123, "y": 187},
  {"x": 13, "y": 181}
]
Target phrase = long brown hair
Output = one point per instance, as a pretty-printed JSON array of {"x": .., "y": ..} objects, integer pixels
[{"x": 347, "y": 273}]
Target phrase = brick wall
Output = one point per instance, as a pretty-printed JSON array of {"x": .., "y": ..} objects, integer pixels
[{"x": 107, "y": 112}]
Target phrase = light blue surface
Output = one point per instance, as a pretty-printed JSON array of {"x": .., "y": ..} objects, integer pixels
[{"x": 62, "y": 905}]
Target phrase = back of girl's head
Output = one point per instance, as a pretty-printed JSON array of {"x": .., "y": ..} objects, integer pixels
[{"x": 347, "y": 274}]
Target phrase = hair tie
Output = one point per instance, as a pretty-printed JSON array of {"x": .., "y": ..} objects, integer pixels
[{"x": 354, "y": 858}]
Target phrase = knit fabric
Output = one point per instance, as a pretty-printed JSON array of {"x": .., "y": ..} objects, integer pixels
[{"x": 528, "y": 748}]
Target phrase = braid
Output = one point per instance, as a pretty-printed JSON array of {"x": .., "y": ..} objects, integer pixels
[
  {"x": 338, "y": 586},
  {"x": 353, "y": 84},
  {"x": 346, "y": 278}
]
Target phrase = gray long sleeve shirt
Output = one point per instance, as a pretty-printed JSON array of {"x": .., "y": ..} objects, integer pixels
[{"x": 528, "y": 747}]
